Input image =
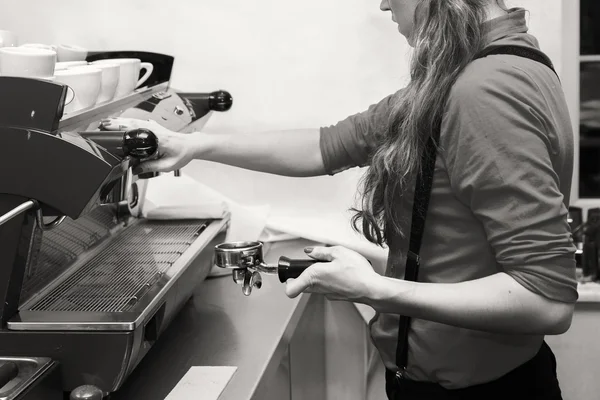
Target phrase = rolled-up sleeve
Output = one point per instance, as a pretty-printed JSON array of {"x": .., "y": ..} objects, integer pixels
[
  {"x": 499, "y": 143},
  {"x": 351, "y": 142}
]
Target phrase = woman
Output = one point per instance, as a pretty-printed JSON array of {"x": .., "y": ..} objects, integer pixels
[{"x": 497, "y": 269}]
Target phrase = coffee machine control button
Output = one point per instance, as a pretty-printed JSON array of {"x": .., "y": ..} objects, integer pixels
[{"x": 178, "y": 110}]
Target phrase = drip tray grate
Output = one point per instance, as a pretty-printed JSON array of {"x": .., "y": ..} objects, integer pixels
[{"x": 118, "y": 276}]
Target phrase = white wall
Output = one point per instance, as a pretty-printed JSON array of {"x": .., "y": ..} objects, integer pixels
[
  {"x": 545, "y": 21},
  {"x": 288, "y": 64}
]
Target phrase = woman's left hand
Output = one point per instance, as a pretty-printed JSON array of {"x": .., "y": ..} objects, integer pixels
[{"x": 345, "y": 275}]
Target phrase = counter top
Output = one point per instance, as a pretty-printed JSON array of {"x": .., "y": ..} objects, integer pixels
[
  {"x": 219, "y": 326},
  {"x": 589, "y": 292}
]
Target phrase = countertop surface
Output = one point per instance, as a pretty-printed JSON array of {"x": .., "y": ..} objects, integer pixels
[
  {"x": 219, "y": 326},
  {"x": 589, "y": 292}
]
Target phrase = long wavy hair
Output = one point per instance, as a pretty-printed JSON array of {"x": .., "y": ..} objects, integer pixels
[{"x": 447, "y": 35}]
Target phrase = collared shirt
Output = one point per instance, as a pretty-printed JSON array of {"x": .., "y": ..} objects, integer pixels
[{"x": 499, "y": 204}]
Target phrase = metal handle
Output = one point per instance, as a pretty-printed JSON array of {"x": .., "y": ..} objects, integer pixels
[
  {"x": 28, "y": 205},
  {"x": 47, "y": 227}
]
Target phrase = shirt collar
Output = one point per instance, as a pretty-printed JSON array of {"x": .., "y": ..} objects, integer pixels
[{"x": 512, "y": 23}]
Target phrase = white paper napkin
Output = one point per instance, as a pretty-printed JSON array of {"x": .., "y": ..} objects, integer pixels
[
  {"x": 170, "y": 197},
  {"x": 202, "y": 383}
]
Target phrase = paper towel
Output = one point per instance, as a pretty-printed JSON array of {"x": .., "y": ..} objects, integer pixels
[
  {"x": 202, "y": 383},
  {"x": 170, "y": 197}
]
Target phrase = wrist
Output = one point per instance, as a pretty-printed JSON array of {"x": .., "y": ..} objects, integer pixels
[
  {"x": 377, "y": 291},
  {"x": 201, "y": 145},
  {"x": 388, "y": 295}
]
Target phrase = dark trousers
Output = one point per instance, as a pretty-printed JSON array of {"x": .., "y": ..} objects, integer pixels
[{"x": 534, "y": 380}]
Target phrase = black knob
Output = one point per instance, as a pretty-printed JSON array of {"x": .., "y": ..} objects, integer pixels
[
  {"x": 220, "y": 101},
  {"x": 87, "y": 392},
  {"x": 291, "y": 269},
  {"x": 140, "y": 143}
]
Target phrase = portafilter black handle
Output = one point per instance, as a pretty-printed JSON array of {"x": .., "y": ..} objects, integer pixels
[
  {"x": 291, "y": 269},
  {"x": 140, "y": 143},
  {"x": 220, "y": 101}
]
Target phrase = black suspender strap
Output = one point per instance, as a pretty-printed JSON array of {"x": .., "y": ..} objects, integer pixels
[
  {"x": 520, "y": 51},
  {"x": 422, "y": 195},
  {"x": 420, "y": 205}
]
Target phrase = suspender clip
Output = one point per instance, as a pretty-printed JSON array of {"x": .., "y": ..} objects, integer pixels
[
  {"x": 400, "y": 374},
  {"x": 415, "y": 257}
]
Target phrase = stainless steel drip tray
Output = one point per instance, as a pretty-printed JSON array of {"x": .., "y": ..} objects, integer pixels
[
  {"x": 118, "y": 286},
  {"x": 29, "y": 369}
]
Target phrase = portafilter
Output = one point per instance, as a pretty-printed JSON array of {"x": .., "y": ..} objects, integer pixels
[{"x": 247, "y": 261}]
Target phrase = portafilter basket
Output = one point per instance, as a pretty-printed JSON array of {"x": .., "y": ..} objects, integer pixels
[{"x": 247, "y": 261}]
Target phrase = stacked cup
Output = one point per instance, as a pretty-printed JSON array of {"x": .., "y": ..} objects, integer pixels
[
  {"x": 89, "y": 84},
  {"x": 27, "y": 62},
  {"x": 101, "y": 81}
]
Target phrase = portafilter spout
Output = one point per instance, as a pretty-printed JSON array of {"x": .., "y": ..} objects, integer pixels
[{"x": 247, "y": 261}]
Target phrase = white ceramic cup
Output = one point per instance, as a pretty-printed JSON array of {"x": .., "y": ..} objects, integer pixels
[
  {"x": 69, "y": 64},
  {"x": 86, "y": 84},
  {"x": 69, "y": 52},
  {"x": 110, "y": 80},
  {"x": 39, "y": 46},
  {"x": 8, "y": 39},
  {"x": 129, "y": 74},
  {"x": 70, "y": 92},
  {"x": 27, "y": 62}
]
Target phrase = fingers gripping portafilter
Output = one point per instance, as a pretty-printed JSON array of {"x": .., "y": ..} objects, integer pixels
[{"x": 247, "y": 261}]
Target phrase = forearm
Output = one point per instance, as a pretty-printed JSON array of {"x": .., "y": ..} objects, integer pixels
[
  {"x": 496, "y": 303},
  {"x": 290, "y": 153}
]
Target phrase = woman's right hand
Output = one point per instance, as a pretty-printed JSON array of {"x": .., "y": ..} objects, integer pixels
[{"x": 174, "y": 149}]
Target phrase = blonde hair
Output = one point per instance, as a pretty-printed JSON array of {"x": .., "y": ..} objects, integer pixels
[{"x": 448, "y": 34}]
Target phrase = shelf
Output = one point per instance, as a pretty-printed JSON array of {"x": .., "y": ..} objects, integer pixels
[
  {"x": 589, "y": 58},
  {"x": 79, "y": 118},
  {"x": 587, "y": 142}
]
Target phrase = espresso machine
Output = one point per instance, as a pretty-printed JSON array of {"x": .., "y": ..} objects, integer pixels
[{"x": 87, "y": 285}]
